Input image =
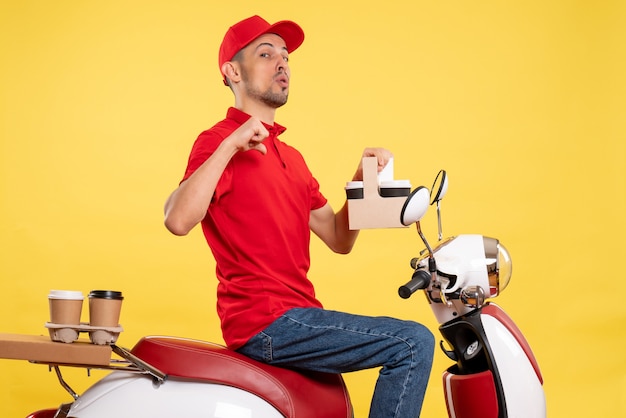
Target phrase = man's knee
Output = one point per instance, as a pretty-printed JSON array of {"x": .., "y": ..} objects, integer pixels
[{"x": 422, "y": 339}]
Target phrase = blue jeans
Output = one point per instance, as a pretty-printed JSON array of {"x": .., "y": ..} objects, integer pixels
[{"x": 337, "y": 342}]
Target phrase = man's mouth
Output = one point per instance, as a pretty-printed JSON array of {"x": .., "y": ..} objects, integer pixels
[{"x": 282, "y": 80}]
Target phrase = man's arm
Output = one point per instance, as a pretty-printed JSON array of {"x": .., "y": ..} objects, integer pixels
[
  {"x": 188, "y": 204},
  {"x": 333, "y": 228}
]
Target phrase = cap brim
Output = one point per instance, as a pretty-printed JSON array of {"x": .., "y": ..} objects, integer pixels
[{"x": 291, "y": 32}]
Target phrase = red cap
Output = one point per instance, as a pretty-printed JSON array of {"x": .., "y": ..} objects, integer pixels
[{"x": 241, "y": 34}]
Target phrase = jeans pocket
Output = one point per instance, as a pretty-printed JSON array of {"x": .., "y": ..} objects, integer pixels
[{"x": 266, "y": 346}]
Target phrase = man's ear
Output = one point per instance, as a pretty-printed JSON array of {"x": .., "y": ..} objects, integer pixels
[{"x": 231, "y": 70}]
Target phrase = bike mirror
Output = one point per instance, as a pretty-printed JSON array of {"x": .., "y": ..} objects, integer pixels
[
  {"x": 415, "y": 206},
  {"x": 440, "y": 187}
]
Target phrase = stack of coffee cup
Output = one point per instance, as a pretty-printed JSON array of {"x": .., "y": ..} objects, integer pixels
[
  {"x": 65, "y": 309},
  {"x": 104, "y": 312}
]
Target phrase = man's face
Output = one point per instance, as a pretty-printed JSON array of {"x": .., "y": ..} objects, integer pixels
[{"x": 265, "y": 70}]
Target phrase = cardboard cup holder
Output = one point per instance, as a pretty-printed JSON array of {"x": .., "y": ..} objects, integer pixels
[
  {"x": 68, "y": 333},
  {"x": 376, "y": 202}
]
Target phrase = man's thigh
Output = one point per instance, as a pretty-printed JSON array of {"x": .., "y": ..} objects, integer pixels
[{"x": 333, "y": 342}]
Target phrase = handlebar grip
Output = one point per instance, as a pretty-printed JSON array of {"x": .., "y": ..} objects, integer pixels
[{"x": 420, "y": 280}]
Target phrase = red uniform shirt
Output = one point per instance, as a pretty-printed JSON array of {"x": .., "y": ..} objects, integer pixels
[{"x": 257, "y": 227}]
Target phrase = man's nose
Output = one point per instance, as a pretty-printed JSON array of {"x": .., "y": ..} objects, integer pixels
[{"x": 282, "y": 65}]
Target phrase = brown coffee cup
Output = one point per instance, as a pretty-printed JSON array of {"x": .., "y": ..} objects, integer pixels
[
  {"x": 65, "y": 306},
  {"x": 105, "y": 307}
]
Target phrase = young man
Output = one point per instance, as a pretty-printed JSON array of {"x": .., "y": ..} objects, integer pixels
[{"x": 257, "y": 203}]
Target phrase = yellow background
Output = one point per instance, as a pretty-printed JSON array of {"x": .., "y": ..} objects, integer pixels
[{"x": 521, "y": 102}]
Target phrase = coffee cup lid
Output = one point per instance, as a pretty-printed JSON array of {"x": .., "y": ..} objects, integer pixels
[
  {"x": 106, "y": 294},
  {"x": 354, "y": 185},
  {"x": 390, "y": 184},
  {"x": 66, "y": 294}
]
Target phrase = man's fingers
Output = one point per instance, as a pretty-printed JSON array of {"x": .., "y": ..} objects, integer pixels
[
  {"x": 382, "y": 156},
  {"x": 259, "y": 147}
]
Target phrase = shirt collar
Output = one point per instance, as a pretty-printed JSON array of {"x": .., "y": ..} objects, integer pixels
[{"x": 241, "y": 117}]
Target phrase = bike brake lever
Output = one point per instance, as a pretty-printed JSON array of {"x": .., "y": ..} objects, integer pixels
[{"x": 443, "y": 283}]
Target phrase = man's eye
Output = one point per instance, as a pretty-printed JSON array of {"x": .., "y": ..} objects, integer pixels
[
  {"x": 286, "y": 59},
  {"x": 265, "y": 55}
]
